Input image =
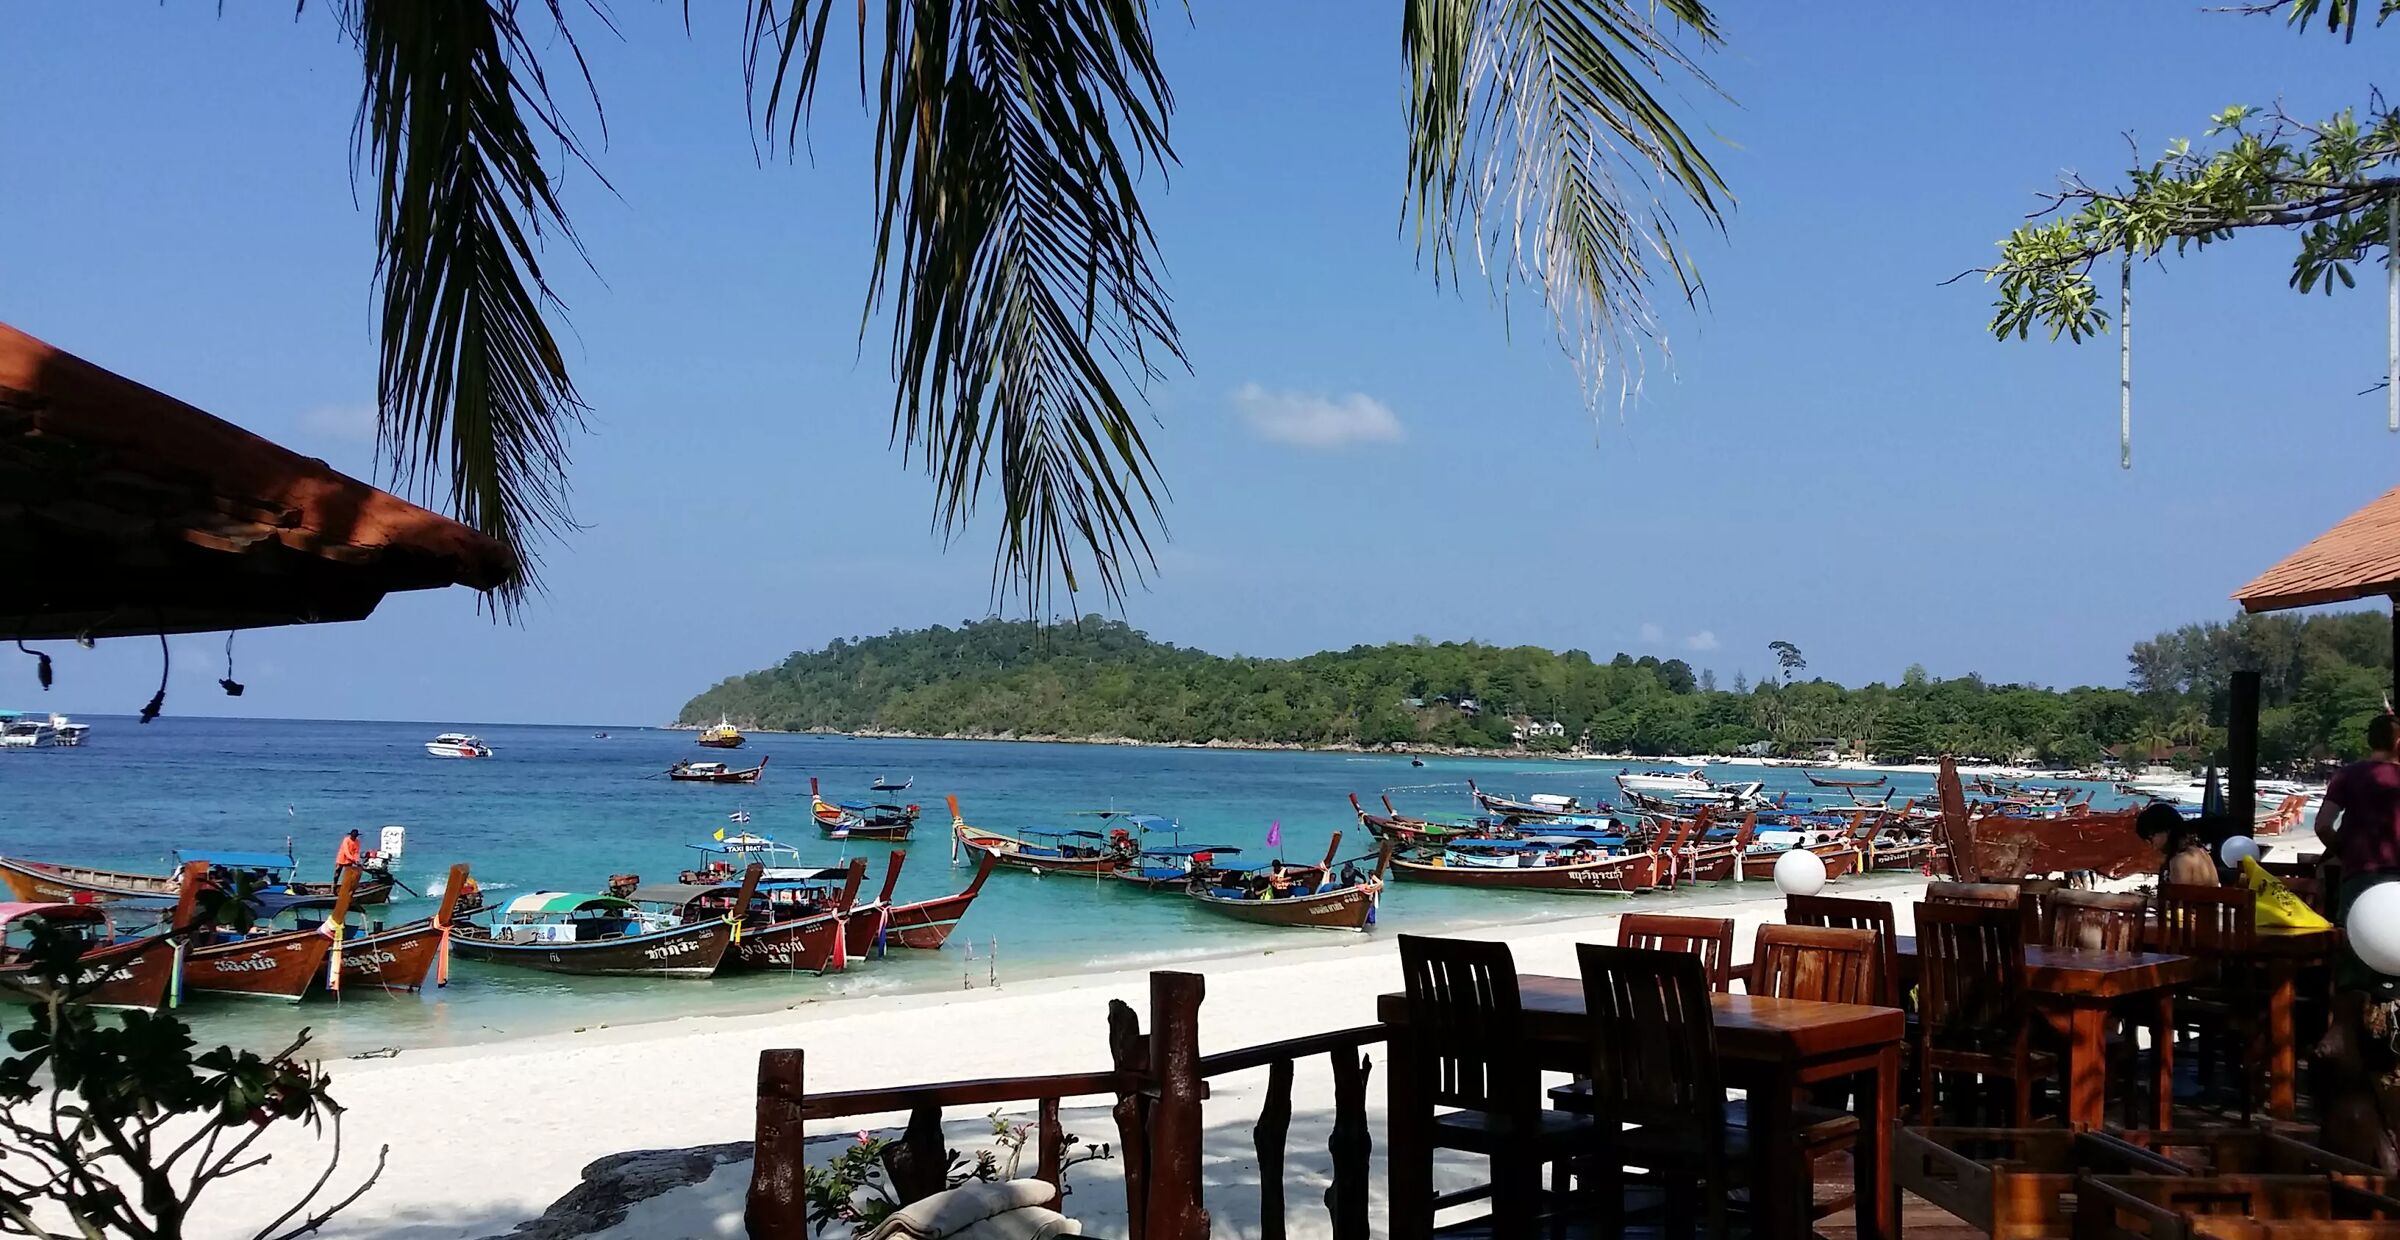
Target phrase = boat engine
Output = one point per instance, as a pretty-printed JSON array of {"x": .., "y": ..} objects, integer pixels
[{"x": 622, "y": 885}]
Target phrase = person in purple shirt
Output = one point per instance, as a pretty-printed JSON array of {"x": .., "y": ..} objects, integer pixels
[
  {"x": 2359, "y": 824},
  {"x": 2359, "y": 821}
]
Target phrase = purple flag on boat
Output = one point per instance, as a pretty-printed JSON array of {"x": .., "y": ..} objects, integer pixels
[{"x": 1275, "y": 834}]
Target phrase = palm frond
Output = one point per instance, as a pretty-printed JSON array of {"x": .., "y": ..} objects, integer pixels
[
  {"x": 1535, "y": 138},
  {"x": 1013, "y": 252},
  {"x": 473, "y": 386}
]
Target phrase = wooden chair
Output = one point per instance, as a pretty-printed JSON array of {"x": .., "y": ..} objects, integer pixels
[
  {"x": 1464, "y": 1007},
  {"x": 1824, "y": 965},
  {"x": 1982, "y": 895},
  {"x": 1656, "y": 1093},
  {"x": 1971, "y": 1005},
  {"x": 1709, "y": 938},
  {"x": 2226, "y": 1011},
  {"x": 2033, "y": 902},
  {"x": 2098, "y": 921},
  {"x": 1844, "y": 913}
]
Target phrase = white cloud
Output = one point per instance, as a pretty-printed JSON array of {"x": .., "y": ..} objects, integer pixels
[
  {"x": 1313, "y": 421},
  {"x": 1705, "y": 639},
  {"x": 1652, "y": 634},
  {"x": 355, "y": 423}
]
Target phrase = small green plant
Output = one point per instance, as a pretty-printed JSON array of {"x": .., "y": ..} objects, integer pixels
[{"x": 118, "y": 1128}]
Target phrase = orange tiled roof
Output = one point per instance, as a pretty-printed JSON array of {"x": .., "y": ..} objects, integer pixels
[
  {"x": 124, "y": 510},
  {"x": 2358, "y": 558}
]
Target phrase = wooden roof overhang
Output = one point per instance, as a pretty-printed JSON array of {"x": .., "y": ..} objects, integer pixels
[
  {"x": 2358, "y": 558},
  {"x": 124, "y": 511}
]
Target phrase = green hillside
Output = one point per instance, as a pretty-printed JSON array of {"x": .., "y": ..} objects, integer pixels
[{"x": 1100, "y": 678}]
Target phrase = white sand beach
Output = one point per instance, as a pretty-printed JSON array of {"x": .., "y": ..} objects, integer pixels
[{"x": 485, "y": 1137}]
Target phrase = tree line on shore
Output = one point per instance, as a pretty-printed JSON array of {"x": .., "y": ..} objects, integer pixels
[{"x": 2323, "y": 676}]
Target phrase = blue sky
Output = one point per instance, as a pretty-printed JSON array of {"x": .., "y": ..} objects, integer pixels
[{"x": 1839, "y": 457}]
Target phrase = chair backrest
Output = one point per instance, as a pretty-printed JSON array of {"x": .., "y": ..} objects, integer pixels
[
  {"x": 1983, "y": 895},
  {"x": 1709, "y": 938},
  {"x": 1464, "y": 1012},
  {"x": 1844, "y": 913},
  {"x": 1653, "y": 1038},
  {"x": 2204, "y": 916},
  {"x": 2094, "y": 921},
  {"x": 1970, "y": 970},
  {"x": 1819, "y": 963}
]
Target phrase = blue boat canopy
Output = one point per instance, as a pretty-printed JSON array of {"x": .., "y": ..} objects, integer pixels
[
  {"x": 237, "y": 860},
  {"x": 1191, "y": 850},
  {"x": 1088, "y": 835},
  {"x": 1152, "y": 822}
]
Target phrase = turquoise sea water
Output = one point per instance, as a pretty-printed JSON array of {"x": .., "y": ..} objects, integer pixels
[{"x": 558, "y": 808}]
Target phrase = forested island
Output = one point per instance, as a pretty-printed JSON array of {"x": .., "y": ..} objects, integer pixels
[{"x": 1100, "y": 679}]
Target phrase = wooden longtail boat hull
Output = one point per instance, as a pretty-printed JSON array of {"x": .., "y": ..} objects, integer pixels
[
  {"x": 43, "y": 882},
  {"x": 865, "y": 926},
  {"x": 282, "y": 965},
  {"x": 1839, "y": 859},
  {"x": 691, "y": 951},
  {"x": 749, "y": 776},
  {"x": 394, "y": 959},
  {"x": 862, "y": 831},
  {"x": 1610, "y": 875},
  {"x": 926, "y": 924},
  {"x": 1822, "y": 782},
  {"x": 814, "y": 943},
  {"x": 1350, "y": 908},
  {"x": 1995, "y": 846},
  {"x": 138, "y": 974}
]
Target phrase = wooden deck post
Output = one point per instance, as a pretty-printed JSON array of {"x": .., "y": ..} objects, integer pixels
[
  {"x": 2241, "y": 745},
  {"x": 778, "y": 1205},
  {"x": 1129, "y": 1052},
  {"x": 1175, "y": 1210},
  {"x": 1268, "y": 1137},
  {"x": 1346, "y": 1197}
]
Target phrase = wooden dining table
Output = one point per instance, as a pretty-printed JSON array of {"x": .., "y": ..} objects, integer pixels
[
  {"x": 2284, "y": 951},
  {"x": 2078, "y": 991},
  {"x": 1768, "y": 1047}
]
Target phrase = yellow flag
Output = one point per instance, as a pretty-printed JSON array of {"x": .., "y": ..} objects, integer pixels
[
  {"x": 2277, "y": 906},
  {"x": 719, "y": 836}
]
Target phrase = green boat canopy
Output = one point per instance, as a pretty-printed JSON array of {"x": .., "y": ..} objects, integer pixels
[{"x": 563, "y": 902}]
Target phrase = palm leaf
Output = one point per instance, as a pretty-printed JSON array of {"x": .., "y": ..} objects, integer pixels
[
  {"x": 1014, "y": 255},
  {"x": 1535, "y": 138},
  {"x": 473, "y": 387}
]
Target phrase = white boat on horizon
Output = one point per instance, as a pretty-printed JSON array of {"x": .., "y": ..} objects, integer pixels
[
  {"x": 19, "y": 730},
  {"x": 1665, "y": 783},
  {"x": 458, "y": 745}
]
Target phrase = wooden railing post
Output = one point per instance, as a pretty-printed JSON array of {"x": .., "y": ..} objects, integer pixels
[
  {"x": 1175, "y": 1209},
  {"x": 1048, "y": 1166},
  {"x": 1274, "y": 1122},
  {"x": 778, "y": 1204},
  {"x": 1129, "y": 1053},
  {"x": 1346, "y": 1197}
]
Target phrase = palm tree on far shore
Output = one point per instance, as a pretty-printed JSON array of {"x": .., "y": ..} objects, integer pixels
[
  {"x": 2151, "y": 741},
  {"x": 1010, "y": 243}
]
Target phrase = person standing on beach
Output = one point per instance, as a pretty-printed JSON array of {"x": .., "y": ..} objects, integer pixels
[{"x": 346, "y": 857}]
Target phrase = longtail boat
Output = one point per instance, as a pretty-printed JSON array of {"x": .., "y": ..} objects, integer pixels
[
  {"x": 133, "y": 973},
  {"x": 926, "y": 924},
  {"x": 1538, "y": 864},
  {"x": 1838, "y": 854},
  {"x": 397, "y": 958},
  {"x": 1539, "y": 807},
  {"x": 1086, "y": 853},
  {"x": 270, "y": 964},
  {"x": 1822, "y": 782},
  {"x": 38, "y": 882},
  {"x": 867, "y": 922},
  {"x": 1172, "y": 868},
  {"x": 1317, "y": 898},
  {"x": 793, "y": 923},
  {"x": 688, "y": 772},
  {"x": 594, "y": 934},
  {"x": 1400, "y": 828},
  {"x": 855, "y": 820}
]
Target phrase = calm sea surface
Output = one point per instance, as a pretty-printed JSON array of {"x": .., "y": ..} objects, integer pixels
[{"x": 559, "y": 808}]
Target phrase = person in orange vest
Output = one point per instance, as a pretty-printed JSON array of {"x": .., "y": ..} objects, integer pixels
[{"x": 346, "y": 857}]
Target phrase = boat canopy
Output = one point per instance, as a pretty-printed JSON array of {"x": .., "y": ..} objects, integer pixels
[
  {"x": 677, "y": 894},
  {"x": 794, "y": 880},
  {"x": 1060, "y": 835},
  {"x": 1190, "y": 850},
  {"x": 1151, "y": 822},
  {"x": 237, "y": 860},
  {"x": 80, "y": 913},
  {"x": 564, "y": 902}
]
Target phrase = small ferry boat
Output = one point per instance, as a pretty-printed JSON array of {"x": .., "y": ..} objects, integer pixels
[
  {"x": 457, "y": 745},
  {"x": 715, "y": 773},
  {"x": 723, "y": 736}
]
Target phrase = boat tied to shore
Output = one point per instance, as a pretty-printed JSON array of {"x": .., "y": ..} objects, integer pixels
[
  {"x": 597, "y": 934},
  {"x": 254, "y": 873},
  {"x": 860, "y": 820},
  {"x": 1087, "y": 853},
  {"x": 1316, "y": 896}
]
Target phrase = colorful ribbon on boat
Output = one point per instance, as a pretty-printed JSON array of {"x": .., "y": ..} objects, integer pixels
[
  {"x": 332, "y": 929},
  {"x": 736, "y": 923}
]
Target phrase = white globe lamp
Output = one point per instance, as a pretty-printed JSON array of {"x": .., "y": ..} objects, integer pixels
[
  {"x": 2235, "y": 848},
  {"x": 2374, "y": 928},
  {"x": 1799, "y": 872}
]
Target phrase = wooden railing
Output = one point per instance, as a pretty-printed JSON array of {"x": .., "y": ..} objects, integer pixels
[{"x": 1159, "y": 1080}]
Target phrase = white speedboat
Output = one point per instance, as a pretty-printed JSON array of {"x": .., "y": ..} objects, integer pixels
[
  {"x": 22, "y": 731},
  {"x": 457, "y": 745},
  {"x": 69, "y": 733},
  {"x": 1665, "y": 783}
]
